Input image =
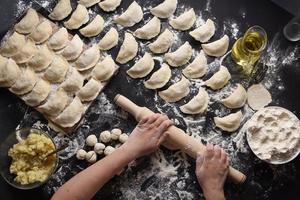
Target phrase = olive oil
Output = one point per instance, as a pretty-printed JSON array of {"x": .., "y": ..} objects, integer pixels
[{"x": 247, "y": 50}]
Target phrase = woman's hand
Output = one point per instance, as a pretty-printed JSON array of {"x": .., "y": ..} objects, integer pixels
[{"x": 148, "y": 135}]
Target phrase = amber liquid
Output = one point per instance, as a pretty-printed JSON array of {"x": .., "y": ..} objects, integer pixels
[{"x": 247, "y": 50}]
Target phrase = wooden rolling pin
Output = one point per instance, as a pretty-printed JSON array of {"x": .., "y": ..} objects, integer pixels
[{"x": 177, "y": 138}]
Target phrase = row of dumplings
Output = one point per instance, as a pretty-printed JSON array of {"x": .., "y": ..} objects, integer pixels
[{"x": 41, "y": 71}]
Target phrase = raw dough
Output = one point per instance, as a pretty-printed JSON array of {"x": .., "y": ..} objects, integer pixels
[
  {"x": 115, "y": 133},
  {"x": 91, "y": 140},
  {"x": 204, "y": 32},
  {"x": 132, "y": 16},
  {"x": 142, "y": 67},
  {"x": 258, "y": 96},
  {"x": 198, "y": 104},
  {"x": 217, "y": 48},
  {"x": 229, "y": 123},
  {"x": 109, "y": 40},
  {"x": 197, "y": 68},
  {"x": 219, "y": 79},
  {"x": 109, "y": 5},
  {"x": 109, "y": 150},
  {"x": 237, "y": 99},
  {"x": 80, "y": 155},
  {"x": 128, "y": 50},
  {"x": 164, "y": 9},
  {"x": 184, "y": 21},
  {"x": 105, "y": 136},
  {"x": 79, "y": 17},
  {"x": 123, "y": 138},
  {"x": 181, "y": 56},
  {"x": 162, "y": 43},
  {"x": 93, "y": 28},
  {"x": 159, "y": 78},
  {"x": 149, "y": 30},
  {"x": 99, "y": 148},
  {"x": 104, "y": 69},
  {"x": 91, "y": 156},
  {"x": 61, "y": 10},
  {"x": 28, "y": 22}
]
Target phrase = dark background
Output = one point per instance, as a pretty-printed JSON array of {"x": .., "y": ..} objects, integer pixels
[{"x": 262, "y": 12}]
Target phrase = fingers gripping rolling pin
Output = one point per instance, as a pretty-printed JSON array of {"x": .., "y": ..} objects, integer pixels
[{"x": 177, "y": 139}]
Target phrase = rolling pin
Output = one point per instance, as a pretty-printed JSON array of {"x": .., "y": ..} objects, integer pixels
[{"x": 177, "y": 139}]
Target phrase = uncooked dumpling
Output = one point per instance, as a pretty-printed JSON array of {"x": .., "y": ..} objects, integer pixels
[
  {"x": 9, "y": 72},
  {"x": 55, "y": 103},
  {"x": 229, "y": 123},
  {"x": 109, "y": 40},
  {"x": 88, "y": 58},
  {"x": 104, "y": 69},
  {"x": 217, "y": 48},
  {"x": 204, "y": 32},
  {"x": 93, "y": 28},
  {"x": 162, "y": 43},
  {"x": 42, "y": 59},
  {"x": 25, "y": 82},
  {"x": 88, "y": 3},
  {"x": 197, "y": 68},
  {"x": 184, "y": 21},
  {"x": 219, "y": 79},
  {"x": 142, "y": 67},
  {"x": 149, "y": 30},
  {"x": 90, "y": 90},
  {"x": 28, "y": 22},
  {"x": 73, "y": 82},
  {"x": 57, "y": 70},
  {"x": 159, "y": 78},
  {"x": 61, "y": 10},
  {"x": 79, "y": 17},
  {"x": 197, "y": 105},
  {"x": 42, "y": 32},
  {"x": 128, "y": 49},
  {"x": 26, "y": 52},
  {"x": 12, "y": 45},
  {"x": 237, "y": 99},
  {"x": 176, "y": 91},
  {"x": 71, "y": 115},
  {"x": 133, "y": 15},
  {"x": 59, "y": 39},
  {"x": 164, "y": 9},
  {"x": 73, "y": 48},
  {"x": 38, "y": 94},
  {"x": 181, "y": 56},
  {"x": 109, "y": 5}
]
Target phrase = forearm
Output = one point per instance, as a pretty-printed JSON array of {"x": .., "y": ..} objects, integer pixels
[
  {"x": 214, "y": 195},
  {"x": 85, "y": 184}
]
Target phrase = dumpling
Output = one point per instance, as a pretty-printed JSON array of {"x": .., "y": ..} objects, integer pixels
[
  {"x": 71, "y": 115},
  {"x": 12, "y": 45},
  {"x": 197, "y": 105},
  {"x": 181, "y": 56},
  {"x": 93, "y": 28},
  {"x": 197, "y": 68},
  {"x": 57, "y": 70},
  {"x": 25, "y": 82},
  {"x": 128, "y": 50},
  {"x": 26, "y": 52},
  {"x": 28, "y": 22},
  {"x": 159, "y": 78},
  {"x": 204, "y": 32},
  {"x": 149, "y": 30},
  {"x": 88, "y": 58},
  {"x": 73, "y": 48},
  {"x": 109, "y": 40},
  {"x": 142, "y": 67},
  {"x": 38, "y": 94},
  {"x": 79, "y": 17},
  {"x": 90, "y": 90},
  {"x": 219, "y": 79},
  {"x": 104, "y": 69},
  {"x": 55, "y": 103},
  {"x": 9, "y": 72},
  {"x": 61, "y": 10},
  {"x": 59, "y": 39},
  {"x": 176, "y": 91},
  {"x": 88, "y": 3},
  {"x": 184, "y": 21},
  {"x": 42, "y": 59},
  {"x": 73, "y": 82},
  {"x": 237, "y": 99},
  {"x": 229, "y": 123},
  {"x": 162, "y": 43},
  {"x": 132, "y": 16},
  {"x": 217, "y": 48},
  {"x": 42, "y": 32},
  {"x": 164, "y": 9},
  {"x": 109, "y": 5}
]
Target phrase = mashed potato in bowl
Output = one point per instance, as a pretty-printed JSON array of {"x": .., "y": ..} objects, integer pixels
[{"x": 28, "y": 159}]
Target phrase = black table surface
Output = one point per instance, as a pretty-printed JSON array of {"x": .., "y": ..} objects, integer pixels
[{"x": 261, "y": 12}]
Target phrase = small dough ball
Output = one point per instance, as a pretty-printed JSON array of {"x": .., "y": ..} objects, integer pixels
[
  {"x": 91, "y": 140},
  {"x": 115, "y": 133},
  {"x": 99, "y": 147},
  {"x": 80, "y": 155},
  {"x": 105, "y": 136},
  {"x": 108, "y": 150},
  {"x": 123, "y": 138},
  {"x": 91, "y": 156}
]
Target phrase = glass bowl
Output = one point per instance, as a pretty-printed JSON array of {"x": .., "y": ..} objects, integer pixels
[{"x": 5, "y": 160}]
